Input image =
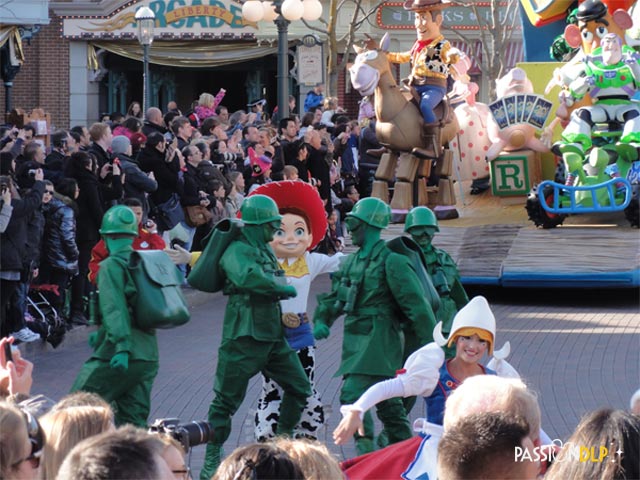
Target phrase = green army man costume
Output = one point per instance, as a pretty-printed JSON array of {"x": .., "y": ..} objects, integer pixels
[
  {"x": 377, "y": 290},
  {"x": 125, "y": 359},
  {"x": 421, "y": 223},
  {"x": 253, "y": 339}
]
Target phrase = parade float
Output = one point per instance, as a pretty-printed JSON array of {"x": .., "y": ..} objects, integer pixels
[{"x": 537, "y": 158}]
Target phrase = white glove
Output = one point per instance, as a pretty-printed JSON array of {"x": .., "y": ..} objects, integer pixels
[{"x": 179, "y": 255}]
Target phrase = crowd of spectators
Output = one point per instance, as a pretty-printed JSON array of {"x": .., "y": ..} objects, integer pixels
[
  {"x": 167, "y": 165},
  {"x": 492, "y": 430}
]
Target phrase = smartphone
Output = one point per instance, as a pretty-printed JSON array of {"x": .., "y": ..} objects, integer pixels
[{"x": 8, "y": 354}]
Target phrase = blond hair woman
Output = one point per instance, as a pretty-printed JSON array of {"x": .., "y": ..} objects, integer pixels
[{"x": 67, "y": 427}]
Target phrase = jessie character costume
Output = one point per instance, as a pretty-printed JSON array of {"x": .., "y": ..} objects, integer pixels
[{"x": 303, "y": 224}]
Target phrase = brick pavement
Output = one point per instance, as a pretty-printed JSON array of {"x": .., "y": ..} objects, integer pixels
[{"x": 577, "y": 349}]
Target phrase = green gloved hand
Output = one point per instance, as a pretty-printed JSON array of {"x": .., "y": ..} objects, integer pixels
[
  {"x": 120, "y": 361},
  {"x": 289, "y": 291},
  {"x": 93, "y": 339},
  {"x": 320, "y": 331}
]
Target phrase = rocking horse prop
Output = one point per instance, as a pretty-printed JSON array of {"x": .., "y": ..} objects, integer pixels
[{"x": 399, "y": 127}]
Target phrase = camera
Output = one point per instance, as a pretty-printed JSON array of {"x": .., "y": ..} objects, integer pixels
[
  {"x": 32, "y": 172},
  {"x": 188, "y": 434},
  {"x": 168, "y": 137}
]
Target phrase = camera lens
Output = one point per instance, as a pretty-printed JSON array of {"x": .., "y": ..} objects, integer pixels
[{"x": 196, "y": 433}]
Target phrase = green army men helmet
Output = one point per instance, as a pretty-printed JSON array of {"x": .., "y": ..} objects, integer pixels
[
  {"x": 372, "y": 211},
  {"x": 421, "y": 217},
  {"x": 259, "y": 209},
  {"x": 119, "y": 219}
]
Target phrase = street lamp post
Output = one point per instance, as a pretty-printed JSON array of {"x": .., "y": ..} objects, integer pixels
[
  {"x": 282, "y": 13},
  {"x": 146, "y": 20}
]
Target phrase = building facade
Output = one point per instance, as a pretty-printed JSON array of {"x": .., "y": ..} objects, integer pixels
[{"x": 87, "y": 61}]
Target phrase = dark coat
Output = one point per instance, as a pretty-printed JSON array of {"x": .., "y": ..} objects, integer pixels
[
  {"x": 192, "y": 185},
  {"x": 56, "y": 161},
  {"x": 208, "y": 172},
  {"x": 35, "y": 230},
  {"x": 13, "y": 254},
  {"x": 320, "y": 170},
  {"x": 59, "y": 249},
  {"x": 100, "y": 155},
  {"x": 90, "y": 206},
  {"x": 148, "y": 128},
  {"x": 136, "y": 183},
  {"x": 165, "y": 173}
]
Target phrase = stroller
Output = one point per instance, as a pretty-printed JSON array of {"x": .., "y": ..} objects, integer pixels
[{"x": 42, "y": 317}]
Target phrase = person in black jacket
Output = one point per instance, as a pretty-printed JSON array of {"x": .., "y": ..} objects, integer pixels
[
  {"x": 194, "y": 192},
  {"x": 59, "y": 257},
  {"x": 137, "y": 184},
  {"x": 165, "y": 161},
  {"x": 58, "y": 157},
  {"x": 101, "y": 137},
  {"x": 318, "y": 166},
  {"x": 13, "y": 254},
  {"x": 91, "y": 202},
  {"x": 153, "y": 122},
  {"x": 370, "y": 152}
]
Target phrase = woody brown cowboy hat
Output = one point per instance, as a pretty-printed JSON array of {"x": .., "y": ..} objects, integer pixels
[{"x": 425, "y": 4}]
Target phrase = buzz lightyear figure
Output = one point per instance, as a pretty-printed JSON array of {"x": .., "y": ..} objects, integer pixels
[{"x": 611, "y": 78}]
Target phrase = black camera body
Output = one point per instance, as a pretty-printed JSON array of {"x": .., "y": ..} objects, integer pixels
[
  {"x": 188, "y": 434},
  {"x": 32, "y": 172}
]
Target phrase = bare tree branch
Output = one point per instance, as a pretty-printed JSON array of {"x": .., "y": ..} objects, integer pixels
[{"x": 314, "y": 28}]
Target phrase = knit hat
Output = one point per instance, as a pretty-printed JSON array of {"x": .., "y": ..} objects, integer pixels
[
  {"x": 259, "y": 164},
  {"x": 138, "y": 139},
  {"x": 120, "y": 144}
]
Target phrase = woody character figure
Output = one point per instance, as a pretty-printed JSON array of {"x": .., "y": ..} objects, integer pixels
[
  {"x": 124, "y": 362},
  {"x": 430, "y": 57},
  {"x": 302, "y": 227}
]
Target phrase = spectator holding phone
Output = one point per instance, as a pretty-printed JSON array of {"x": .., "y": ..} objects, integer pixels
[
  {"x": 137, "y": 184},
  {"x": 165, "y": 162},
  {"x": 15, "y": 372},
  {"x": 12, "y": 254},
  {"x": 91, "y": 201}
]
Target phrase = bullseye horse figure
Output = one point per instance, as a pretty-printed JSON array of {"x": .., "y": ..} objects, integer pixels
[{"x": 399, "y": 127}]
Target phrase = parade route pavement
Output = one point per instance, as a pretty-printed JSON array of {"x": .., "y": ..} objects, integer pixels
[{"x": 577, "y": 349}]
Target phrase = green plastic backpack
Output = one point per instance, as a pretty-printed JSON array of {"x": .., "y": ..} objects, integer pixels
[{"x": 205, "y": 274}]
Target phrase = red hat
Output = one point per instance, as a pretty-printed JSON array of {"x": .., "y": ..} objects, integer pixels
[
  {"x": 258, "y": 163},
  {"x": 138, "y": 139},
  {"x": 301, "y": 196}
]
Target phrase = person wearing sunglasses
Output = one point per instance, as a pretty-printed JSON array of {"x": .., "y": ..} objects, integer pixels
[
  {"x": 21, "y": 442},
  {"x": 59, "y": 251}
]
